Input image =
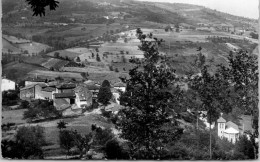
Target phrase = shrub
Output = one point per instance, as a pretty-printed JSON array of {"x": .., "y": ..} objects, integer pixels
[{"x": 27, "y": 144}]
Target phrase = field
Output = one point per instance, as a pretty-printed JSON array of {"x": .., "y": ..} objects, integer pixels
[
  {"x": 16, "y": 45},
  {"x": 15, "y": 40},
  {"x": 18, "y": 71},
  {"x": 8, "y": 47},
  {"x": 54, "y": 63},
  {"x": 33, "y": 48},
  {"x": 13, "y": 116},
  {"x": 53, "y": 74},
  {"x": 82, "y": 124}
]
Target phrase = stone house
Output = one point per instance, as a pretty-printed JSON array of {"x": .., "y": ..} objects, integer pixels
[
  {"x": 7, "y": 85},
  {"x": 34, "y": 91}
]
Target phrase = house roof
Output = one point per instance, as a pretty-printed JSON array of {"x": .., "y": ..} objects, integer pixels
[
  {"x": 230, "y": 124},
  {"x": 49, "y": 89},
  {"x": 221, "y": 120},
  {"x": 33, "y": 85},
  {"x": 66, "y": 86},
  {"x": 92, "y": 87},
  {"x": 61, "y": 104},
  {"x": 36, "y": 80},
  {"x": 83, "y": 93},
  {"x": 119, "y": 84},
  {"x": 231, "y": 131},
  {"x": 64, "y": 95}
]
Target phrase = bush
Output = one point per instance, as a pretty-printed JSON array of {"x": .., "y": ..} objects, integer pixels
[
  {"x": 27, "y": 144},
  {"x": 114, "y": 151},
  {"x": 41, "y": 109}
]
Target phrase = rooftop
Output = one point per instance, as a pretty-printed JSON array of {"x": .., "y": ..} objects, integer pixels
[
  {"x": 64, "y": 95},
  {"x": 33, "y": 85},
  {"x": 66, "y": 86},
  {"x": 49, "y": 89},
  {"x": 230, "y": 124},
  {"x": 231, "y": 131},
  {"x": 221, "y": 120},
  {"x": 119, "y": 84}
]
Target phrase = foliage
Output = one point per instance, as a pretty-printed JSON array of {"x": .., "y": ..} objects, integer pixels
[
  {"x": 114, "y": 151},
  {"x": 69, "y": 139},
  {"x": 57, "y": 54},
  {"x": 27, "y": 144},
  {"x": 78, "y": 59},
  {"x": 104, "y": 94},
  {"x": 245, "y": 148},
  {"x": 254, "y": 35},
  {"x": 146, "y": 121},
  {"x": 10, "y": 97},
  {"x": 101, "y": 136},
  {"x": 38, "y": 7},
  {"x": 242, "y": 75},
  {"x": 41, "y": 109},
  {"x": 61, "y": 125},
  {"x": 66, "y": 139}
]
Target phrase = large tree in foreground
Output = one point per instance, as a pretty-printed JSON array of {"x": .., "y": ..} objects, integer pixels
[
  {"x": 148, "y": 121},
  {"x": 39, "y": 6}
]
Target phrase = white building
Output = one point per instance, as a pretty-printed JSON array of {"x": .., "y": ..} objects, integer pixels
[
  {"x": 228, "y": 130},
  {"x": 120, "y": 86},
  {"x": 7, "y": 85}
]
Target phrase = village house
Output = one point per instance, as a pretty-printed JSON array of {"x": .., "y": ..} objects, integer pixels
[
  {"x": 83, "y": 96},
  {"x": 7, "y": 85},
  {"x": 120, "y": 86},
  {"x": 32, "y": 81},
  {"x": 34, "y": 91}
]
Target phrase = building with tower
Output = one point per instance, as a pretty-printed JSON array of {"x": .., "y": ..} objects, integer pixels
[{"x": 228, "y": 130}]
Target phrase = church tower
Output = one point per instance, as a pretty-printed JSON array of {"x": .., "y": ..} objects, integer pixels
[{"x": 221, "y": 126}]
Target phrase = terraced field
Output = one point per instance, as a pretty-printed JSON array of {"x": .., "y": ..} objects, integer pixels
[
  {"x": 56, "y": 64},
  {"x": 53, "y": 74}
]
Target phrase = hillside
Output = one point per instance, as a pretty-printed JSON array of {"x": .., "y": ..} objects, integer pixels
[{"x": 110, "y": 27}]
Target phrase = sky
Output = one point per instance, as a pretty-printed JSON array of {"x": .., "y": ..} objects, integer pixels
[{"x": 245, "y": 8}]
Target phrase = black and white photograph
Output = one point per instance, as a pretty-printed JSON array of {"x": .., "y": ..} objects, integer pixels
[{"x": 130, "y": 80}]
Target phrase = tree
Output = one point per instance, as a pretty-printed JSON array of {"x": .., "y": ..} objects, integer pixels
[
  {"x": 125, "y": 40},
  {"x": 104, "y": 94},
  {"x": 111, "y": 68},
  {"x": 116, "y": 70},
  {"x": 66, "y": 140},
  {"x": 148, "y": 120},
  {"x": 254, "y": 35},
  {"x": 57, "y": 55},
  {"x": 77, "y": 59},
  {"x": 245, "y": 148},
  {"x": 114, "y": 151},
  {"x": 61, "y": 125},
  {"x": 213, "y": 94},
  {"x": 38, "y": 7},
  {"x": 41, "y": 109},
  {"x": 242, "y": 75},
  {"x": 27, "y": 144},
  {"x": 98, "y": 58}
]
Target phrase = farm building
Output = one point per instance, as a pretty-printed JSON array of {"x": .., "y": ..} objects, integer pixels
[
  {"x": 120, "y": 86},
  {"x": 65, "y": 88},
  {"x": 32, "y": 81},
  {"x": 34, "y": 91},
  {"x": 83, "y": 96},
  {"x": 7, "y": 85}
]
